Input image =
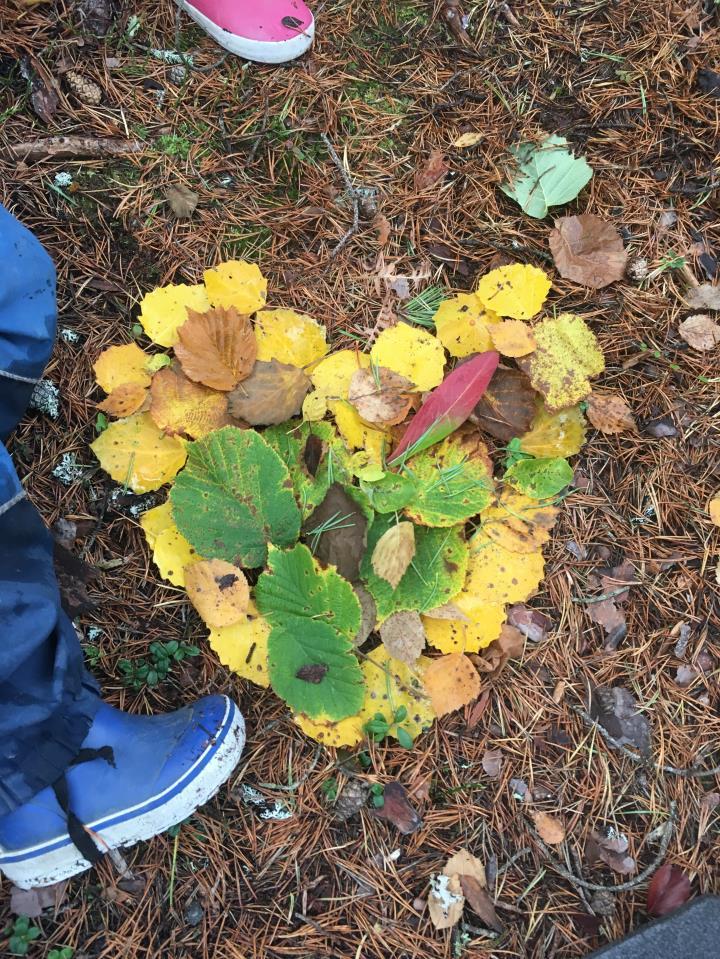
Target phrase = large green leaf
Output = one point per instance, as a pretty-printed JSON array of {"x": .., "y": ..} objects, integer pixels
[
  {"x": 315, "y": 458},
  {"x": 234, "y": 497},
  {"x": 294, "y": 590},
  {"x": 312, "y": 667},
  {"x": 546, "y": 175},
  {"x": 451, "y": 486},
  {"x": 436, "y": 574},
  {"x": 540, "y": 478}
]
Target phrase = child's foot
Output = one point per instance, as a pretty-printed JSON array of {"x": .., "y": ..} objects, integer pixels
[
  {"x": 268, "y": 31},
  {"x": 135, "y": 777}
]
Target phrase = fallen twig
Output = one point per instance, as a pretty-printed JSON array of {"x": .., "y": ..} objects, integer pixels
[
  {"x": 351, "y": 192},
  {"x": 72, "y": 148}
]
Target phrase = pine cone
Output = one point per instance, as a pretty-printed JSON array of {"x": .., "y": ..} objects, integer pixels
[
  {"x": 351, "y": 799},
  {"x": 86, "y": 90}
]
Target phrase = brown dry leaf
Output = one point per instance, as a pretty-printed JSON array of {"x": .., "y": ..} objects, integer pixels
[
  {"x": 533, "y": 624},
  {"x": 33, "y": 902},
  {"x": 218, "y": 591},
  {"x": 610, "y": 414},
  {"x": 616, "y": 710},
  {"x": 493, "y": 658},
  {"x": 512, "y": 338},
  {"x": 369, "y": 614},
  {"x": 274, "y": 392},
  {"x": 549, "y": 828},
  {"x": 480, "y": 902},
  {"x": 492, "y": 762},
  {"x": 384, "y": 228},
  {"x": 448, "y": 611},
  {"x": 182, "y": 200},
  {"x": 612, "y": 850},
  {"x": 588, "y": 250},
  {"x": 451, "y": 682},
  {"x": 700, "y": 332},
  {"x": 181, "y": 406},
  {"x": 217, "y": 348},
  {"x": 403, "y": 636},
  {"x": 398, "y": 809},
  {"x": 339, "y": 544},
  {"x": 713, "y": 509},
  {"x": 380, "y": 396},
  {"x": 468, "y": 140},
  {"x": 124, "y": 400},
  {"x": 434, "y": 169},
  {"x": 394, "y": 552},
  {"x": 446, "y": 901},
  {"x": 463, "y": 863},
  {"x": 612, "y": 619},
  {"x": 507, "y": 408},
  {"x": 703, "y": 297}
]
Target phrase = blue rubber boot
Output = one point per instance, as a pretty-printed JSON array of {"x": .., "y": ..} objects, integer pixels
[{"x": 135, "y": 777}]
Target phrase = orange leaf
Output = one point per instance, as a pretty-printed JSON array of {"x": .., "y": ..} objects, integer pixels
[
  {"x": 549, "y": 828},
  {"x": 124, "y": 400},
  {"x": 181, "y": 406},
  {"x": 610, "y": 414},
  {"x": 217, "y": 348},
  {"x": 512, "y": 338},
  {"x": 451, "y": 682}
]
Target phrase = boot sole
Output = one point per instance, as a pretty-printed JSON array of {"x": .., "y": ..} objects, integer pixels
[{"x": 56, "y": 860}]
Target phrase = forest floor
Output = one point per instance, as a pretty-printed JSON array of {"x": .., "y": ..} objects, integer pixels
[{"x": 387, "y": 82}]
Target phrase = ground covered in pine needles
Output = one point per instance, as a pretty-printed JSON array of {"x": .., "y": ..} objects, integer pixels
[{"x": 388, "y": 82}]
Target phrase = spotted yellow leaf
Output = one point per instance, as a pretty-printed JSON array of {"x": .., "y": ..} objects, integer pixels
[
  {"x": 155, "y": 520},
  {"x": 458, "y": 636},
  {"x": 463, "y": 325},
  {"x": 413, "y": 353},
  {"x": 289, "y": 337},
  {"x": 358, "y": 435},
  {"x": 451, "y": 682},
  {"x": 519, "y": 523},
  {"x": 219, "y": 592},
  {"x": 238, "y": 284},
  {"x": 137, "y": 453},
  {"x": 124, "y": 400},
  {"x": 332, "y": 375},
  {"x": 242, "y": 647},
  {"x": 512, "y": 338},
  {"x": 555, "y": 434},
  {"x": 118, "y": 365},
  {"x": 314, "y": 407},
  {"x": 172, "y": 554},
  {"x": 163, "y": 310},
  {"x": 499, "y": 575},
  {"x": 566, "y": 356},
  {"x": 517, "y": 290}
]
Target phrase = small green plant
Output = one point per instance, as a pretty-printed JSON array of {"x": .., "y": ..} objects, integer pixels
[
  {"x": 514, "y": 453},
  {"x": 377, "y": 795},
  {"x": 162, "y": 658},
  {"x": 21, "y": 934},
  {"x": 67, "y": 952},
  {"x": 329, "y": 789},
  {"x": 101, "y": 423},
  {"x": 379, "y": 727},
  {"x": 173, "y": 145},
  {"x": 671, "y": 261}
]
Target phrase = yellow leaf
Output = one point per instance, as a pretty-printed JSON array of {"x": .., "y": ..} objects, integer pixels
[
  {"x": 331, "y": 377},
  {"x": 119, "y": 365},
  {"x": 500, "y": 575},
  {"x": 218, "y": 591},
  {"x": 463, "y": 325},
  {"x": 518, "y": 523},
  {"x": 135, "y": 452},
  {"x": 458, "y": 636},
  {"x": 714, "y": 509},
  {"x": 413, "y": 353},
  {"x": 393, "y": 553},
  {"x": 163, "y": 310},
  {"x": 236, "y": 283},
  {"x": 517, "y": 290},
  {"x": 217, "y": 348},
  {"x": 289, "y": 337},
  {"x": 172, "y": 554},
  {"x": 242, "y": 647},
  {"x": 512, "y": 338},
  {"x": 549, "y": 828},
  {"x": 124, "y": 400},
  {"x": 314, "y": 407},
  {"x": 451, "y": 682},
  {"x": 567, "y": 354},
  {"x": 181, "y": 406},
  {"x": 555, "y": 434},
  {"x": 358, "y": 435},
  {"x": 468, "y": 139},
  {"x": 155, "y": 520}
]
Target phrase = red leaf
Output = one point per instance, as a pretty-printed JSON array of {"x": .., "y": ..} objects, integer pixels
[
  {"x": 449, "y": 405},
  {"x": 398, "y": 809},
  {"x": 670, "y": 888}
]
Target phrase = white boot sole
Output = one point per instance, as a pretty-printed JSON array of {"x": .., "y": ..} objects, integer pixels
[
  {"x": 261, "y": 51},
  {"x": 37, "y": 868}
]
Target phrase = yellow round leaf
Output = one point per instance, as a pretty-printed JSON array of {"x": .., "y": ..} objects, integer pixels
[
  {"x": 346, "y": 732},
  {"x": 331, "y": 377},
  {"x": 566, "y": 356},
  {"x": 497, "y": 575},
  {"x": 218, "y": 591},
  {"x": 519, "y": 523},
  {"x": 358, "y": 435},
  {"x": 451, "y": 682},
  {"x": 181, "y": 406},
  {"x": 314, "y": 407},
  {"x": 289, "y": 337},
  {"x": 163, "y": 310},
  {"x": 135, "y": 452},
  {"x": 463, "y": 325},
  {"x": 172, "y": 554},
  {"x": 242, "y": 647},
  {"x": 118, "y": 365},
  {"x": 517, "y": 290},
  {"x": 236, "y": 283},
  {"x": 555, "y": 434},
  {"x": 124, "y": 400},
  {"x": 413, "y": 353},
  {"x": 155, "y": 520},
  {"x": 512, "y": 338},
  {"x": 457, "y": 636}
]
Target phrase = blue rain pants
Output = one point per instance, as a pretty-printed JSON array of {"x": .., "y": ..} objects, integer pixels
[{"x": 47, "y": 699}]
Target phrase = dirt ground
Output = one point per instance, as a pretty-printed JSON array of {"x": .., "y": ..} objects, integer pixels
[{"x": 387, "y": 82}]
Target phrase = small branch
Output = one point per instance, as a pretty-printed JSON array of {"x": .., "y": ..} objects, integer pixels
[
  {"x": 351, "y": 192},
  {"x": 72, "y": 148}
]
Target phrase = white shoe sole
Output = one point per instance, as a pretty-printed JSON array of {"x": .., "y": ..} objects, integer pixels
[
  {"x": 47, "y": 868},
  {"x": 261, "y": 51}
]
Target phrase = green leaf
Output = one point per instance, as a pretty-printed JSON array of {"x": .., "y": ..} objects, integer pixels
[
  {"x": 404, "y": 738},
  {"x": 390, "y": 494},
  {"x": 436, "y": 574},
  {"x": 514, "y": 452},
  {"x": 294, "y": 590},
  {"x": 313, "y": 668},
  {"x": 547, "y": 175},
  {"x": 234, "y": 497},
  {"x": 315, "y": 457},
  {"x": 540, "y": 478},
  {"x": 451, "y": 487}
]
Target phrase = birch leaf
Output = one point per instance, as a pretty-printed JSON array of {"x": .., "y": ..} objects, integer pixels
[
  {"x": 118, "y": 365},
  {"x": 218, "y": 591},
  {"x": 135, "y": 452},
  {"x": 517, "y": 290},
  {"x": 165, "y": 309},
  {"x": 124, "y": 400},
  {"x": 567, "y": 355},
  {"x": 289, "y": 337},
  {"x": 394, "y": 552},
  {"x": 403, "y": 636},
  {"x": 451, "y": 682},
  {"x": 463, "y": 325},
  {"x": 242, "y": 647},
  {"x": 236, "y": 284},
  {"x": 180, "y": 406},
  {"x": 413, "y": 353}
]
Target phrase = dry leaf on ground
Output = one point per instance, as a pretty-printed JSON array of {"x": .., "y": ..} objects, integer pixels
[
  {"x": 446, "y": 901},
  {"x": 398, "y": 809},
  {"x": 703, "y": 297},
  {"x": 480, "y": 902},
  {"x": 394, "y": 552},
  {"x": 713, "y": 511},
  {"x": 336, "y": 532},
  {"x": 463, "y": 863},
  {"x": 468, "y": 140},
  {"x": 509, "y": 645},
  {"x": 700, "y": 332},
  {"x": 449, "y": 611},
  {"x": 610, "y": 414},
  {"x": 217, "y": 348},
  {"x": 274, "y": 392},
  {"x": 451, "y": 682},
  {"x": 381, "y": 396},
  {"x": 403, "y": 636},
  {"x": 508, "y": 406},
  {"x": 588, "y": 250},
  {"x": 492, "y": 762},
  {"x": 434, "y": 169},
  {"x": 124, "y": 400},
  {"x": 616, "y": 710},
  {"x": 550, "y": 828},
  {"x": 369, "y": 614},
  {"x": 533, "y": 624},
  {"x": 182, "y": 200},
  {"x": 181, "y": 406},
  {"x": 668, "y": 890},
  {"x": 610, "y": 849},
  {"x": 218, "y": 591},
  {"x": 33, "y": 902}
]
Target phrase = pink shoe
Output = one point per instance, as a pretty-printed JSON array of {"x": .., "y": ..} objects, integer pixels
[{"x": 268, "y": 31}]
